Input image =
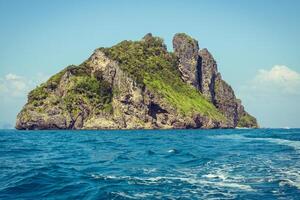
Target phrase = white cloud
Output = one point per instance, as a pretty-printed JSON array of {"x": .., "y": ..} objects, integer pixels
[
  {"x": 279, "y": 78},
  {"x": 12, "y": 77},
  {"x": 2, "y": 87},
  {"x": 273, "y": 96},
  {"x": 13, "y": 95},
  {"x": 12, "y": 85},
  {"x": 15, "y": 84}
]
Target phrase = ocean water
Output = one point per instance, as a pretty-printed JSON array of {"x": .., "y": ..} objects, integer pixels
[{"x": 171, "y": 164}]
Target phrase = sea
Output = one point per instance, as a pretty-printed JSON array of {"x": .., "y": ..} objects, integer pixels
[{"x": 150, "y": 164}]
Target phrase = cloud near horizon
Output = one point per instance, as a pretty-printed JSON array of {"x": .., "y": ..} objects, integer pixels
[
  {"x": 13, "y": 95},
  {"x": 273, "y": 95},
  {"x": 14, "y": 86},
  {"x": 280, "y": 80}
]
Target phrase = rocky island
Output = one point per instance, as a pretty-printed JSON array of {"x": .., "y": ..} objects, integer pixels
[{"x": 137, "y": 85}]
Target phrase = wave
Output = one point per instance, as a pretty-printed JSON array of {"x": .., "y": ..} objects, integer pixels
[
  {"x": 195, "y": 181},
  {"x": 174, "y": 151},
  {"x": 149, "y": 170},
  {"x": 290, "y": 177},
  {"x": 291, "y": 143},
  {"x": 214, "y": 164},
  {"x": 284, "y": 176},
  {"x": 215, "y": 176},
  {"x": 150, "y": 152}
]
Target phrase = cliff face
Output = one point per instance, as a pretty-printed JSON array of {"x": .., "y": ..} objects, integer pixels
[
  {"x": 202, "y": 69},
  {"x": 137, "y": 85},
  {"x": 186, "y": 50}
]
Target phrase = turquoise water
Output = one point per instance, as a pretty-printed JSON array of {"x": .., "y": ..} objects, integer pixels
[{"x": 173, "y": 164}]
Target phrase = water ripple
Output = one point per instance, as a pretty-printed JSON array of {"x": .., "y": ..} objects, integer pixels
[{"x": 171, "y": 164}]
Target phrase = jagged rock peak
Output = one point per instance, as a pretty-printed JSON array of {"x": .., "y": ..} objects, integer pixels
[
  {"x": 209, "y": 72},
  {"x": 186, "y": 49},
  {"x": 205, "y": 54},
  {"x": 148, "y": 36}
]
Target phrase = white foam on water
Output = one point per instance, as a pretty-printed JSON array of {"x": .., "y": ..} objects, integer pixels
[
  {"x": 290, "y": 143},
  {"x": 147, "y": 194},
  {"x": 203, "y": 187},
  {"x": 143, "y": 195},
  {"x": 172, "y": 151},
  {"x": 285, "y": 176},
  {"x": 290, "y": 177},
  {"x": 235, "y": 185},
  {"x": 222, "y": 184},
  {"x": 201, "y": 182},
  {"x": 149, "y": 170},
  {"x": 215, "y": 176},
  {"x": 193, "y": 180},
  {"x": 123, "y": 194},
  {"x": 220, "y": 178},
  {"x": 105, "y": 177},
  {"x": 231, "y": 137}
]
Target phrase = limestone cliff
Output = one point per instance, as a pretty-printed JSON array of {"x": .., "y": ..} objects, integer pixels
[{"x": 137, "y": 85}]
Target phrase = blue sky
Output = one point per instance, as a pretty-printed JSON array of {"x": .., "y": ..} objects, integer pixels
[{"x": 256, "y": 45}]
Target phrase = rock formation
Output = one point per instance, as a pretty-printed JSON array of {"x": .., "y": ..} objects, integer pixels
[
  {"x": 208, "y": 80},
  {"x": 137, "y": 85},
  {"x": 209, "y": 72},
  {"x": 186, "y": 49}
]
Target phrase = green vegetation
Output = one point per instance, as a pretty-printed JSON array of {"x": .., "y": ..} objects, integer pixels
[
  {"x": 39, "y": 93},
  {"x": 191, "y": 41},
  {"x": 54, "y": 80},
  {"x": 247, "y": 121},
  {"x": 140, "y": 57},
  {"x": 82, "y": 90},
  {"x": 86, "y": 90},
  {"x": 183, "y": 97},
  {"x": 149, "y": 63}
]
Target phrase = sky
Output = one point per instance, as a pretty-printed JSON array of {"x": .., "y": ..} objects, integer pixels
[{"x": 255, "y": 43}]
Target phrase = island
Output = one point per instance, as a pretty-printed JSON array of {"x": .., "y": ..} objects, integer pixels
[{"x": 137, "y": 85}]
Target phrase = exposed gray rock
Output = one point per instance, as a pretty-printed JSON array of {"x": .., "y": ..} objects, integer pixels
[
  {"x": 225, "y": 100},
  {"x": 209, "y": 72},
  {"x": 135, "y": 107},
  {"x": 186, "y": 49}
]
